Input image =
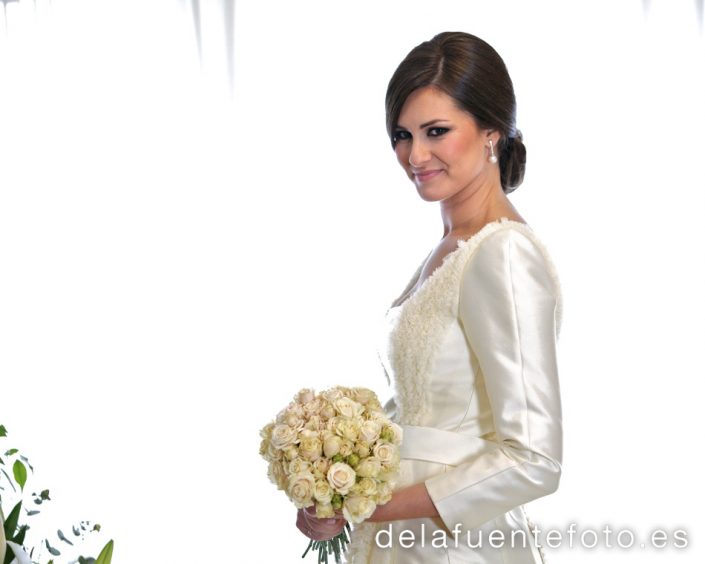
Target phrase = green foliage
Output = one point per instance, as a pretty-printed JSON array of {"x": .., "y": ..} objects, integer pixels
[
  {"x": 12, "y": 520},
  {"x": 63, "y": 537},
  {"x": 19, "y": 470},
  {"x": 106, "y": 555},
  {"x": 51, "y": 549},
  {"x": 12, "y": 531}
]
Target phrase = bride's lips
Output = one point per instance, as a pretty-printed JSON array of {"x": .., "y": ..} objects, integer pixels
[{"x": 426, "y": 175}]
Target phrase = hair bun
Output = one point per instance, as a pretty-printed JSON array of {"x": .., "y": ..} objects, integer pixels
[{"x": 512, "y": 162}]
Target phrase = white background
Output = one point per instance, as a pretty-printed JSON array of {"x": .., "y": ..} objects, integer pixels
[{"x": 176, "y": 261}]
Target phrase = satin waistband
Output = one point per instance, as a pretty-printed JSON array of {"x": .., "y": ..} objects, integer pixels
[{"x": 438, "y": 445}]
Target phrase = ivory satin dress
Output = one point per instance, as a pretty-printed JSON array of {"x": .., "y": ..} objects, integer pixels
[{"x": 471, "y": 357}]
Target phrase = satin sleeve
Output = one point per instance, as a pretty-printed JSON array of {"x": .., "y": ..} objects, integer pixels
[{"x": 508, "y": 310}]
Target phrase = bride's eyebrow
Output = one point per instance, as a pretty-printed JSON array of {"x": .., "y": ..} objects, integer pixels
[
  {"x": 423, "y": 125},
  {"x": 432, "y": 122}
]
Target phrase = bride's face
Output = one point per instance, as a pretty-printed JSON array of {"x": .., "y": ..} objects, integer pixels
[{"x": 440, "y": 146}]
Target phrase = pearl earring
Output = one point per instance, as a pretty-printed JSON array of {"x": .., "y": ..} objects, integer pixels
[{"x": 493, "y": 157}]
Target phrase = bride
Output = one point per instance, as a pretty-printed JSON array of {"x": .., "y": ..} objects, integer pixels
[{"x": 471, "y": 349}]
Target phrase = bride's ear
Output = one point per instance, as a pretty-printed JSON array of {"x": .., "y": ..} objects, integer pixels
[{"x": 494, "y": 135}]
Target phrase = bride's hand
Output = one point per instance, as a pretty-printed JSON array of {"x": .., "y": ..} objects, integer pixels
[{"x": 319, "y": 529}]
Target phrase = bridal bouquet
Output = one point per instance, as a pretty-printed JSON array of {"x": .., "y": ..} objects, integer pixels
[{"x": 336, "y": 450}]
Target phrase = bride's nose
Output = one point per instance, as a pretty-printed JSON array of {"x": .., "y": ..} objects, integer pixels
[{"x": 419, "y": 154}]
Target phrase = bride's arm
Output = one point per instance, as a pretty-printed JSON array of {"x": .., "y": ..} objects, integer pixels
[{"x": 507, "y": 307}]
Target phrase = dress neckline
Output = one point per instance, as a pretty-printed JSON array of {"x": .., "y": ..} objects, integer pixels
[{"x": 460, "y": 244}]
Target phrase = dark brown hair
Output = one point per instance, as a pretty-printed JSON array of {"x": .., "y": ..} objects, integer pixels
[{"x": 471, "y": 72}]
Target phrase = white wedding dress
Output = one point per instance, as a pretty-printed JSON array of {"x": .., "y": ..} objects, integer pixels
[{"x": 472, "y": 359}]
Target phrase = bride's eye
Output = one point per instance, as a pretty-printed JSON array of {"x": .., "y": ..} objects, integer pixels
[
  {"x": 401, "y": 135},
  {"x": 437, "y": 131}
]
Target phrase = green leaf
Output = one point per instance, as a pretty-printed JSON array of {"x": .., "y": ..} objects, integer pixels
[
  {"x": 106, "y": 555},
  {"x": 11, "y": 521},
  {"x": 32, "y": 511},
  {"x": 19, "y": 537},
  {"x": 3, "y": 431},
  {"x": 20, "y": 472},
  {"x": 51, "y": 549},
  {"x": 11, "y": 452},
  {"x": 63, "y": 537}
]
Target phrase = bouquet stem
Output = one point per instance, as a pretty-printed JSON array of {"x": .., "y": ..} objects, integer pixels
[{"x": 335, "y": 546}]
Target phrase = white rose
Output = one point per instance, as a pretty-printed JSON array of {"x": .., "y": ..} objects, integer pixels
[
  {"x": 387, "y": 453},
  {"x": 333, "y": 394},
  {"x": 366, "y": 487},
  {"x": 292, "y": 415},
  {"x": 299, "y": 465},
  {"x": 264, "y": 446},
  {"x": 310, "y": 446},
  {"x": 291, "y": 452},
  {"x": 283, "y": 436},
  {"x": 304, "y": 396},
  {"x": 331, "y": 445},
  {"x": 370, "y": 430},
  {"x": 322, "y": 491},
  {"x": 389, "y": 474},
  {"x": 346, "y": 428},
  {"x": 266, "y": 431},
  {"x": 362, "y": 450},
  {"x": 273, "y": 453},
  {"x": 393, "y": 433},
  {"x": 314, "y": 423},
  {"x": 327, "y": 411},
  {"x": 362, "y": 395},
  {"x": 374, "y": 406},
  {"x": 341, "y": 477},
  {"x": 369, "y": 467},
  {"x": 384, "y": 492},
  {"x": 277, "y": 474},
  {"x": 313, "y": 407},
  {"x": 348, "y": 408},
  {"x": 301, "y": 489},
  {"x": 357, "y": 508},
  {"x": 346, "y": 447},
  {"x": 321, "y": 466}
]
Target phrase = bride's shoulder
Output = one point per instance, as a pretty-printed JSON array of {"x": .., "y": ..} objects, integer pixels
[
  {"x": 507, "y": 234},
  {"x": 512, "y": 250}
]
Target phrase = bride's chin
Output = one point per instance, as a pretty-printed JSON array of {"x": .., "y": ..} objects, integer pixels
[{"x": 427, "y": 196}]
